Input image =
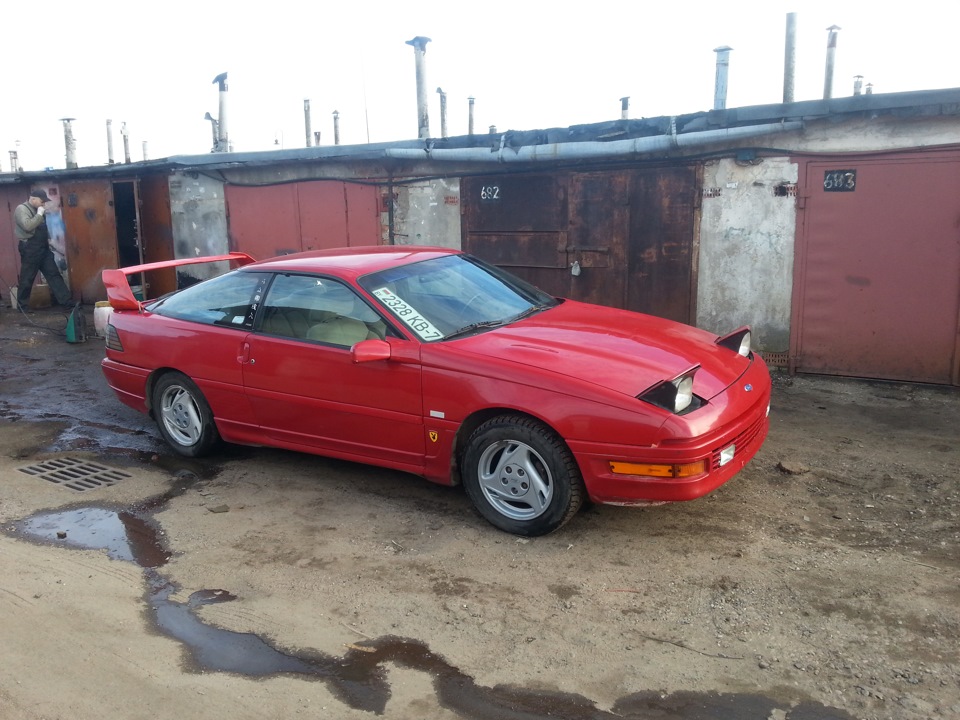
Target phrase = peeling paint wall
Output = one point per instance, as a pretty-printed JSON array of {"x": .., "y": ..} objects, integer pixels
[
  {"x": 747, "y": 228},
  {"x": 199, "y": 220},
  {"x": 427, "y": 213}
]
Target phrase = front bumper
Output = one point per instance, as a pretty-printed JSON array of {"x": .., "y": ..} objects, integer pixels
[{"x": 741, "y": 436}]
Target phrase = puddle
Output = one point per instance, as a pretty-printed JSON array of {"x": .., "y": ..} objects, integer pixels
[{"x": 359, "y": 677}]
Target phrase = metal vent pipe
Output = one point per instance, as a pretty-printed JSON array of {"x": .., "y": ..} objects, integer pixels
[
  {"x": 624, "y": 108},
  {"x": 723, "y": 70},
  {"x": 306, "y": 120},
  {"x": 145, "y": 157},
  {"x": 419, "y": 44},
  {"x": 470, "y": 100},
  {"x": 213, "y": 129},
  {"x": 790, "y": 58},
  {"x": 70, "y": 142},
  {"x": 223, "y": 136},
  {"x": 110, "y": 142},
  {"x": 443, "y": 112},
  {"x": 831, "y": 59},
  {"x": 14, "y": 161},
  {"x": 858, "y": 84},
  {"x": 594, "y": 149},
  {"x": 336, "y": 127},
  {"x": 126, "y": 142}
]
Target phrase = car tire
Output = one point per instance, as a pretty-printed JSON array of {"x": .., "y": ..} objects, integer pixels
[
  {"x": 521, "y": 476},
  {"x": 184, "y": 416}
]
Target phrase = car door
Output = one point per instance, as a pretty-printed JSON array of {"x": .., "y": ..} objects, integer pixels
[{"x": 306, "y": 390}]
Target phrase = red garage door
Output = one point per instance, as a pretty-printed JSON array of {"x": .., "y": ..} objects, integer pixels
[
  {"x": 271, "y": 220},
  {"x": 877, "y": 279}
]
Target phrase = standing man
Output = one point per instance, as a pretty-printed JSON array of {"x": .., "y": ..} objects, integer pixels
[{"x": 30, "y": 227}]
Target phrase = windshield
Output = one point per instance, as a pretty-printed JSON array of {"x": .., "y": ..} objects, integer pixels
[{"x": 453, "y": 295}]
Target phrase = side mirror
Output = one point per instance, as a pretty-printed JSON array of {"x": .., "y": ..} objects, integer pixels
[{"x": 370, "y": 350}]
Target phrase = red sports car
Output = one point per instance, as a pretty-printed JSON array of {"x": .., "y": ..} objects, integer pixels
[{"x": 430, "y": 361}]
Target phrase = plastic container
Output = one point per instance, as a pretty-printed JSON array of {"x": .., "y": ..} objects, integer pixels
[{"x": 101, "y": 314}]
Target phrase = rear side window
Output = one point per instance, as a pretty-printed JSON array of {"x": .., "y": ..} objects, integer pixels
[{"x": 230, "y": 300}]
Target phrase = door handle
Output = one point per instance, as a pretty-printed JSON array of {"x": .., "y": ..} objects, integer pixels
[{"x": 243, "y": 357}]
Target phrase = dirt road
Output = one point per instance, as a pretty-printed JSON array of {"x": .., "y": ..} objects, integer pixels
[{"x": 822, "y": 582}]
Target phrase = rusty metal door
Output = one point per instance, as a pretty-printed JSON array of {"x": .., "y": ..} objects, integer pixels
[
  {"x": 156, "y": 233},
  {"x": 662, "y": 278},
  {"x": 598, "y": 237},
  {"x": 90, "y": 234},
  {"x": 10, "y": 197},
  {"x": 877, "y": 278},
  {"x": 623, "y": 238},
  {"x": 519, "y": 222}
]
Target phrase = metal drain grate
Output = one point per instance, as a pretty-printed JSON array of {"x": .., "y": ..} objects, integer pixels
[{"x": 75, "y": 474}]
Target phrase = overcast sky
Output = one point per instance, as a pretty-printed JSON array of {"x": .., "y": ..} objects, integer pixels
[{"x": 529, "y": 64}]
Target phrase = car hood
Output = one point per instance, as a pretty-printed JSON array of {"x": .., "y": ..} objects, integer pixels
[{"x": 623, "y": 351}]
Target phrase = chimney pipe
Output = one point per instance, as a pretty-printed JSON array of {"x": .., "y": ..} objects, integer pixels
[
  {"x": 869, "y": 88},
  {"x": 419, "y": 44},
  {"x": 69, "y": 142},
  {"x": 790, "y": 58},
  {"x": 306, "y": 120},
  {"x": 443, "y": 112},
  {"x": 470, "y": 117},
  {"x": 492, "y": 130},
  {"x": 723, "y": 69},
  {"x": 831, "y": 58},
  {"x": 223, "y": 137},
  {"x": 858, "y": 84},
  {"x": 145, "y": 150},
  {"x": 624, "y": 108},
  {"x": 110, "y": 142},
  {"x": 126, "y": 142},
  {"x": 213, "y": 129},
  {"x": 336, "y": 127},
  {"x": 14, "y": 161},
  {"x": 316, "y": 138}
]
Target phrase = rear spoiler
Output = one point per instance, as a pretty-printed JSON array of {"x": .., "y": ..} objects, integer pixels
[{"x": 120, "y": 294}]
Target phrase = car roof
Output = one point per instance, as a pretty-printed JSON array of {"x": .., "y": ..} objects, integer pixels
[{"x": 351, "y": 262}]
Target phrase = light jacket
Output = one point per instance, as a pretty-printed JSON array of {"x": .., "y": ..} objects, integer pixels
[{"x": 26, "y": 220}]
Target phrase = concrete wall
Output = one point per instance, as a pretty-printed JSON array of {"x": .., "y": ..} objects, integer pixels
[
  {"x": 199, "y": 220},
  {"x": 427, "y": 213},
  {"x": 747, "y": 229}
]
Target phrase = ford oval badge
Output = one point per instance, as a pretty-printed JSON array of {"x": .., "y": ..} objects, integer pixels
[{"x": 748, "y": 388}]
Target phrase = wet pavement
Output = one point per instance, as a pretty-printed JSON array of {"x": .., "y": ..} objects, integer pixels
[
  {"x": 44, "y": 378},
  {"x": 359, "y": 677}
]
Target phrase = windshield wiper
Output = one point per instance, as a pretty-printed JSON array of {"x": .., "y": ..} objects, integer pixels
[
  {"x": 530, "y": 311},
  {"x": 474, "y": 326}
]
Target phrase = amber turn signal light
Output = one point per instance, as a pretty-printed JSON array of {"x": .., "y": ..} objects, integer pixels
[{"x": 661, "y": 471}]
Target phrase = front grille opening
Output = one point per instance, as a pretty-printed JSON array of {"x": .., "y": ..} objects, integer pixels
[{"x": 75, "y": 474}]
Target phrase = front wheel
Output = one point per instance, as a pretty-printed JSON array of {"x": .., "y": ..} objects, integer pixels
[
  {"x": 183, "y": 415},
  {"x": 521, "y": 476}
]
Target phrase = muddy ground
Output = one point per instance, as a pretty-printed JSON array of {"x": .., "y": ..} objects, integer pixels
[{"x": 822, "y": 582}]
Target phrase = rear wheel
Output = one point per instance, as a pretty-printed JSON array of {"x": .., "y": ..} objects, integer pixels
[
  {"x": 183, "y": 415},
  {"x": 521, "y": 476}
]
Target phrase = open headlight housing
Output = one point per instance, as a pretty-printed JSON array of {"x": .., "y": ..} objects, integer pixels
[
  {"x": 674, "y": 395},
  {"x": 738, "y": 341}
]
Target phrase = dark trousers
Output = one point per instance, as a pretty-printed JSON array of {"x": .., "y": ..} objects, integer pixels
[{"x": 36, "y": 256}]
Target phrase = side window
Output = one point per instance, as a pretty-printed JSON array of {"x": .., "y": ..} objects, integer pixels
[
  {"x": 306, "y": 307},
  {"x": 230, "y": 300}
]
